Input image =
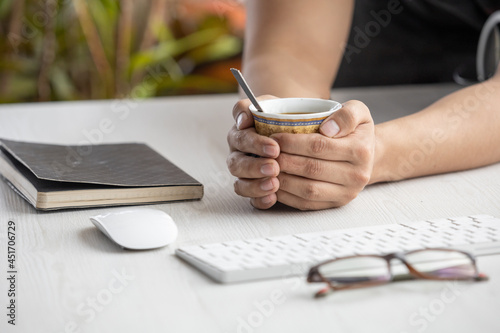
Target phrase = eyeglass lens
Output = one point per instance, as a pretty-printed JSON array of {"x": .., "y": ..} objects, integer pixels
[
  {"x": 442, "y": 264},
  {"x": 356, "y": 270}
]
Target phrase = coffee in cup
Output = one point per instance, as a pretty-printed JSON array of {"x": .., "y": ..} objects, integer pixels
[{"x": 292, "y": 115}]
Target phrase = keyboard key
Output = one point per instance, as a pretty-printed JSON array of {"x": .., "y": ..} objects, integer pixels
[
  {"x": 480, "y": 217},
  {"x": 213, "y": 246}
]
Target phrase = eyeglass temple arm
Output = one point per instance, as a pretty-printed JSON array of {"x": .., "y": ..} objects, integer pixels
[
  {"x": 403, "y": 277},
  {"x": 481, "y": 277}
]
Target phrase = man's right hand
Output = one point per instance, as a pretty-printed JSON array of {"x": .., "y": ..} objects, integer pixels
[{"x": 257, "y": 176}]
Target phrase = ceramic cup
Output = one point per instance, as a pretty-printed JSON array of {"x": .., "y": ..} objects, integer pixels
[{"x": 292, "y": 115}]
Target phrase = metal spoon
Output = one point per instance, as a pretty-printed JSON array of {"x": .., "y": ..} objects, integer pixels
[{"x": 243, "y": 84}]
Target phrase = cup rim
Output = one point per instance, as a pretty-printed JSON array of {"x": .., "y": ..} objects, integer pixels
[{"x": 334, "y": 107}]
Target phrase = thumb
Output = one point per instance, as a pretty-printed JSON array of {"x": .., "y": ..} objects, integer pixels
[
  {"x": 345, "y": 120},
  {"x": 242, "y": 114}
]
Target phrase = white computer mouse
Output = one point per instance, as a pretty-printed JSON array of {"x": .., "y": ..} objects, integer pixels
[{"x": 137, "y": 228}]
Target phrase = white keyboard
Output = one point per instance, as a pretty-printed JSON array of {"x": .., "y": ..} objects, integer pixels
[{"x": 286, "y": 256}]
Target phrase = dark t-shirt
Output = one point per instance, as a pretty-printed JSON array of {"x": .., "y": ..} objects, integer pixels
[{"x": 413, "y": 41}]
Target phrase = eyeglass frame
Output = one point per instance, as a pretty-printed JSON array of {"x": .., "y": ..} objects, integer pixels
[{"x": 314, "y": 274}]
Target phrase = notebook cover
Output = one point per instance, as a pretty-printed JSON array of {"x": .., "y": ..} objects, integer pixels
[
  {"x": 43, "y": 185},
  {"x": 127, "y": 164}
]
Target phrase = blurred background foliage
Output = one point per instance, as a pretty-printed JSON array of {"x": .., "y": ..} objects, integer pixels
[{"x": 52, "y": 50}]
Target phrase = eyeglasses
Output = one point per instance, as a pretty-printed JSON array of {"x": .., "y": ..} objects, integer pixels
[{"x": 370, "y": 270}]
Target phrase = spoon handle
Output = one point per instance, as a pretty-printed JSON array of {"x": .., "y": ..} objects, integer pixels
[{"x": 243, "y": 84}]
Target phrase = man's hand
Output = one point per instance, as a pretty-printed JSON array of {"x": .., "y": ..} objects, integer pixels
[
  {"x": 305, "y": 171},
  {"x": 319, "y": 171},
  {"x": 257, "y": 176}
]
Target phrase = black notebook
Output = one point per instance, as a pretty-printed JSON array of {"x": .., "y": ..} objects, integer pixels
[{"x": 56, "y": 177}]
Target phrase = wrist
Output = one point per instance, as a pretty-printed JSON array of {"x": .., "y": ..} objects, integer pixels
[{"x": 381, "y": 165}]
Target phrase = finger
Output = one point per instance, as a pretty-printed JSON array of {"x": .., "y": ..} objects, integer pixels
[
  {"x": 249, "y": 141},
  {"x": 313, "y": 190},
  {"x": 242, "y": 114},
  {"x": 244, "y": 166},
  {"x": 317, "y": 169},
  {"x": 355, "y": 150},
  {"x": 299, "y": 203},
  {"x": 253, "y": 188},
  {"x": 312, "y": 145},
  {"x": 344, "y": 121},
  {"x": 264, "y": 202}
]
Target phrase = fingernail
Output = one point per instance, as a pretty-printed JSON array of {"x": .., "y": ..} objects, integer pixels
[
  {"x": 267, "y": 170},
  {"x": 330, "y": 128},
  {"x": 270, "y": 150},
  {"x": 239, "y": 120},
  {"x": 267, "y": 185}
]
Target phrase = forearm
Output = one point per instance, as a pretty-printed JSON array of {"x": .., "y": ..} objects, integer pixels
[
  {"x": 458, "y": 132},
  {"x": 293, "y": 47}
]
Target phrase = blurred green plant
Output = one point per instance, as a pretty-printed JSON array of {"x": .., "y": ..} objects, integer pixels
[{"x": 98, "y": 49}]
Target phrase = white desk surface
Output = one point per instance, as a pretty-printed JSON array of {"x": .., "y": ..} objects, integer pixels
[{"x": 65, "y": 263}]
